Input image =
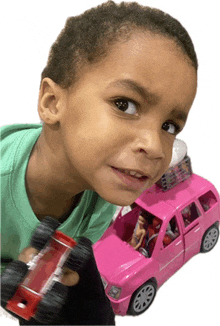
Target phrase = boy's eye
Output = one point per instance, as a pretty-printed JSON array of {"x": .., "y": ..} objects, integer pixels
[
  {"x": 126, "y": 106},
  {"x": 171, "y": 128}
]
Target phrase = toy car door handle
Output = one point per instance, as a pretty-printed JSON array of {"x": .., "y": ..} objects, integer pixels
[
  {"x": 197, "y": 230},
  {"x": 178, "y": 243},
  {"x": 192, "y": 228}
]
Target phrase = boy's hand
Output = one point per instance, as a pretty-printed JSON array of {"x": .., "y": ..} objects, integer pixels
[{"x": 87, "y": 302}]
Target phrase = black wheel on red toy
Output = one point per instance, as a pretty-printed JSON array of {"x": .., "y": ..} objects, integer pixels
[
  {"x": 50, "y": 306},
  {"x": 80, "y": 255},
  {"x": 44, "y": 232},
  {"x": 12, "y": 276}
]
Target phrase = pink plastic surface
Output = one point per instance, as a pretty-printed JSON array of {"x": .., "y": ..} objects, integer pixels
[{"x": 122, "y": 266}]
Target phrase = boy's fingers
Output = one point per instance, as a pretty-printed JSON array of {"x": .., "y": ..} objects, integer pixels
[
  {"x": 69, "y": 277},
  {"x": 27, "y": 254}
]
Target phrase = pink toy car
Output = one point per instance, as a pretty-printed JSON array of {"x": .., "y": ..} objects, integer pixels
[{"x": 181, "y": 221}]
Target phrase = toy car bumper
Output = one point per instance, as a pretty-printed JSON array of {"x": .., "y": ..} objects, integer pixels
[{"x": 120, "y": 306}]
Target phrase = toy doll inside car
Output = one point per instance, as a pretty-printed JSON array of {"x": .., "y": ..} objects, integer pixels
[{"x": 34, "y": 289}]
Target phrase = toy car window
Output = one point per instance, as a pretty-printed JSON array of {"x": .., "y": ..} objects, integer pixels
[
  {"x": 190, "y": 213},
  {"x": 145, "y": 232},
  {"x": 152, "y": 231},
  {"x": 172, "y": 232},
  {"x": 207, "y": 200}
]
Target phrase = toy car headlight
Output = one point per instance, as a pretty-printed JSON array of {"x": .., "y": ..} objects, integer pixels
[
  {"x": 115, "y": 292},
  {"x": 104, "y": 282}
]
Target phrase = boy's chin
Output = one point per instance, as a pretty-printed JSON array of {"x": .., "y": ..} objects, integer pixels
[{"x": 121, "y": 199}]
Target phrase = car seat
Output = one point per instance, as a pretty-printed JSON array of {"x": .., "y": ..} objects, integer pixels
[
  {"x": 167, "y": 240},
  {"x": 153, "y": 232}
]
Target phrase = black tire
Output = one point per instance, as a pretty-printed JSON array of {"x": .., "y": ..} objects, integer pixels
[
  {"x": 80, "y": 255},
  {"x": 12, "y": 276},
  {"x": 210, "y": 238},
  {"x": 142, "y": 298},
  {"x": 43, "y": 233},
  {"x": 51, "y": 304}
]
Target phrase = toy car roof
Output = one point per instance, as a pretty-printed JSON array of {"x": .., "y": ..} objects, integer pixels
[{"x": 160, "y": 203}]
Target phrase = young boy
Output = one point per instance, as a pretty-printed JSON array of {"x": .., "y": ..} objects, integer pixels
[{"x": 118, "y": 86}]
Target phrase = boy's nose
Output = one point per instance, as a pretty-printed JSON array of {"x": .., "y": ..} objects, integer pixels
[{"x": 150, "y": 144}]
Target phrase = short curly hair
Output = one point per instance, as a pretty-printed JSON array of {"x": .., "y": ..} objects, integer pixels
[{"x": 87, "y": 37}]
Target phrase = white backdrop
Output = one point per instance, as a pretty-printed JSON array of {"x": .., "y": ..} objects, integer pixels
[{"x": 192, "y": 295}]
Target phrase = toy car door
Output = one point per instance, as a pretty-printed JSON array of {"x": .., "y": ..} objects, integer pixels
[
  {"x": 190, "y": 217},
  {"x": 171, "y": 252}
]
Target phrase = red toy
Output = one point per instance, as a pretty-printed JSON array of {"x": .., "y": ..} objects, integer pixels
[{"x": 34, "y": 289}]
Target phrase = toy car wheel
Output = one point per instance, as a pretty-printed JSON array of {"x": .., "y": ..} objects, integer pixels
[
  {"x": 210, "y": 239},
  {"x": 51, "y": 304},
  {"x": 12, "y": 276},
  {"x": 79, "y": 255},
  {"x": 142, "y": 298},
  {"x": 43, "y": 233}
]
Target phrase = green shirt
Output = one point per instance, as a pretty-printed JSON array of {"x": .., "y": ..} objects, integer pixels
[{"x": 90, "y": 218}]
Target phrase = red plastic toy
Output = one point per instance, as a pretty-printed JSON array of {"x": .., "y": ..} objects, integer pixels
[
  {"x": 35, "y": 289},
  {"x": 45, "y": 270}
]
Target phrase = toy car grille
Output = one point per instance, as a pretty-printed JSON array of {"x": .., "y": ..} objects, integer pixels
[{"x": 176, "y": 174}]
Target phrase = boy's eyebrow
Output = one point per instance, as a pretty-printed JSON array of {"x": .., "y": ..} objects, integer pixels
[
  {"x": 179, "y": 115},
  {"x": 134, "y": 86},
  {"x": 150, "y": 97}
]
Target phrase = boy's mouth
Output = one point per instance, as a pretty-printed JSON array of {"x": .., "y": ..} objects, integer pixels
[
  {"x": 133, "y": 173},
  {"x": 135, "y": 179}
]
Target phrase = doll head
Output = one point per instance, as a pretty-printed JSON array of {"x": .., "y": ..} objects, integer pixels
[{"x": 141, "y": 220}]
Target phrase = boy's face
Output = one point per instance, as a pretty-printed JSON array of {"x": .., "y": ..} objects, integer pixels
[{"x": 122, "y": 117}]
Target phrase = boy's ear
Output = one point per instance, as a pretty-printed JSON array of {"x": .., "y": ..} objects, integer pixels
[{"x": 50, "y": 101}]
